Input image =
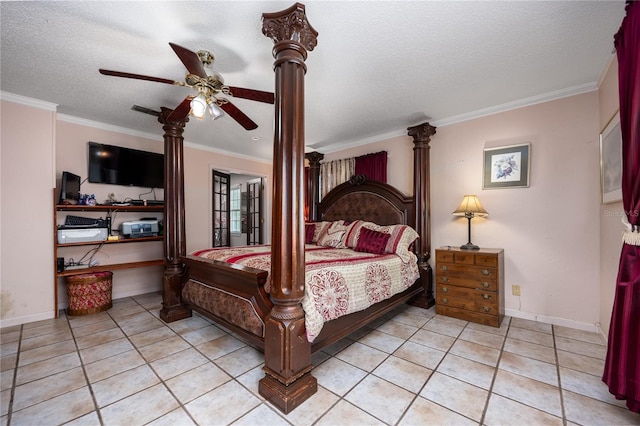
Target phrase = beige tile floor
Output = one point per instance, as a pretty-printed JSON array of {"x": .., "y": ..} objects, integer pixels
[{"x": 127, "y": 367}]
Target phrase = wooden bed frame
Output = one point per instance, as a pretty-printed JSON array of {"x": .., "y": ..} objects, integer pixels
[{"x": 274, "y": 323}]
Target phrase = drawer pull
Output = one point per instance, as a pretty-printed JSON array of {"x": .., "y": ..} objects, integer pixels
[
  {"x": 444, "y": 268},
  {"x": 444, "y": 279},
  {"x": 445, "y": 301},
  {"x": 486, "y": 296},
  {"x": 486, "y": 309},
  {"x": 485, "y": 284},
  {"x": 445, "y": 289},
  {"x": 485, "y": 272}
]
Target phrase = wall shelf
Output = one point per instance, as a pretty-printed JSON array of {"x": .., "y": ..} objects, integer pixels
[
  {"x": 111, "y": 267},
  {"x": 58, "y": 208}
]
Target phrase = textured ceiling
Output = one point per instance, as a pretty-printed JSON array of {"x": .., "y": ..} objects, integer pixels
[{"x": 379, "y": 66}]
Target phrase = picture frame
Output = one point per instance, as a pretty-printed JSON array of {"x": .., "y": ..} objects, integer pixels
[
  {"x": 507, "y": 166},
  {"x": 611, "y": 161}
]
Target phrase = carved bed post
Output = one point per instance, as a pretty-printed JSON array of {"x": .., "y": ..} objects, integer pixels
[
  {"x": 287, "y": 354},
  {"x": 313, "y": 189},
  {"x": 421, "y": 137},
  {"x": 174, "y": 230}
]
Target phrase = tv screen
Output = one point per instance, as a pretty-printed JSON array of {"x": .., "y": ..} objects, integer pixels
[
  {"x": 69, "y": 188},
  {"x": 125, "y": 166}
]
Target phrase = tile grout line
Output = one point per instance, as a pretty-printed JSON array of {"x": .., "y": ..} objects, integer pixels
[
  {"x": 14, "y": 378},
  {"x": 495, "y": 373},
  {"x": 84, "y": 372},
  {"x": 555, "y": 353},
  {"x": 417, "y": 395},
  {"x": 148, "y": 364}
]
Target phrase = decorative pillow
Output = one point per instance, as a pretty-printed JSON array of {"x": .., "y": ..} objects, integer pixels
[
  {"x": 333, "y": 235},
  {"x": 309, "y": 232},
  {"x": 371, "y": 241},
  {"x": 313, "y": 231},
  {"x": 400, "y": 240}
]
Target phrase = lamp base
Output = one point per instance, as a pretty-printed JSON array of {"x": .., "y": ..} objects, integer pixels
[{"x": 469, "y": 246}]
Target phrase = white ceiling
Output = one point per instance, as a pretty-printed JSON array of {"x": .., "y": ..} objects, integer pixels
[{"x": 378, "y": 68}]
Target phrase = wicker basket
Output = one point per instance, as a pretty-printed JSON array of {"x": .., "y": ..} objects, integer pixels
[{"x": 89, "y": 293}]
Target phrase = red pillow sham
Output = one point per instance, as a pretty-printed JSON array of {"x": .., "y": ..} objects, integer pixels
[{"x": 370, "y": 241}]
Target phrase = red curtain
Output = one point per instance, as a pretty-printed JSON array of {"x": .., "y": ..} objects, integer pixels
[
  {"x": 622, "y": 365},
  {"x": 373, "y": 166},
  {"x": 307, "y": 187}
]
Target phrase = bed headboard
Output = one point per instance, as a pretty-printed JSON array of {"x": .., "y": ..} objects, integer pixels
[{"x": 371, "y": 201}]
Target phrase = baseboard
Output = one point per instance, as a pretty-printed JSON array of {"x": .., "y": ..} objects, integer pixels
[
  {"x": 9, "y": 322},
  {"x": 553, "y": 320},
  {"x": 137, "y": 292},
  {"x": 602, "y": 334}
]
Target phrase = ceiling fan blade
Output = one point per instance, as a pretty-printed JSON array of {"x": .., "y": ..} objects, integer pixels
[
  {"x": 139, "y": 77},
  {"x": 146, "y": 110},
  {"x": 190, "y": 59},
  {"x": 181, "y": 111},
  {"x": 238, "y": 115},
  {"x": 254, "y": 95}
]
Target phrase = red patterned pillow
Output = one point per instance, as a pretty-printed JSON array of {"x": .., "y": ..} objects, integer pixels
[
  {"x": 309, "y": 232},
  {"x": 400, "y": 240},
  {"x": 313, "y": 231},
  {"x": 370, "y": 241}
]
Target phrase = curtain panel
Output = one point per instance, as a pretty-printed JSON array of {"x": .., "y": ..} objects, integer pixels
[
  {"x": 333, "y": 173},
  {"x": 373, "y": 166},
  {"x": 622, "y": 365}
]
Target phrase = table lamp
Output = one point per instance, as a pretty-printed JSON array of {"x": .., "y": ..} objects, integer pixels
[{"x": 470, "y": 207}]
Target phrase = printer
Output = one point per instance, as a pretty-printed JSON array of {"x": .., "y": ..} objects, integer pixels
[{"x": 140, "y": 228}]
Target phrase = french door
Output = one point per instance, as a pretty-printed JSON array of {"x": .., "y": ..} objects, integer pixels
[
  {"x": 255, "y": 189},
  {"x": 221, "y": 209}
]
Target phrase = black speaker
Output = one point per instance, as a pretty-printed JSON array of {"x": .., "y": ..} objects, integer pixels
[
  {"x": 108, "y": 225},
  {"x": 60, "y": 263}
]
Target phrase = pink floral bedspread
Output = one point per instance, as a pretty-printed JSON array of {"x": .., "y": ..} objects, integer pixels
[{"x": 338, "y": 281}]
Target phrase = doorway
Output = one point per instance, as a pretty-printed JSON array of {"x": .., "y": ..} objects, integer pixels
[{"x": 238, "y": 209}]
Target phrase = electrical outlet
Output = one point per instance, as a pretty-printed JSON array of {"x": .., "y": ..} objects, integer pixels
[{"x": 515, "y": 290}]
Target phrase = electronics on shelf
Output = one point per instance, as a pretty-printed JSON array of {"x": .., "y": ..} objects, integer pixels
[
  {"x": 140, "y": 228},
  {"x": 69, "y": 188},
  {"x": 82, "y": 235}
]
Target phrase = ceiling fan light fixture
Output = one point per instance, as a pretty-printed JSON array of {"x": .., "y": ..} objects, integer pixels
[
  {"x": 198, "y": 106},
  {"x": 215, "y": 111}
]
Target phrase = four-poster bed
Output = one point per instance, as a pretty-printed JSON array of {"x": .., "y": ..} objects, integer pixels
[{"x": 234, "y": 295}]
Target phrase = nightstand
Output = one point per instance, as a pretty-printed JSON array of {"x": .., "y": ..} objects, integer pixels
[{"x": 470, "y": 284}]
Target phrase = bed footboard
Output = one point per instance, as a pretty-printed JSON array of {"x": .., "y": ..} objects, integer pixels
[{"x": 232, "y": 295}]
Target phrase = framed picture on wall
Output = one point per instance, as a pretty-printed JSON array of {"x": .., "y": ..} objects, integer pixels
[
  {"x": 507, "y": 167},
  {"x": 611, "y": 161}
]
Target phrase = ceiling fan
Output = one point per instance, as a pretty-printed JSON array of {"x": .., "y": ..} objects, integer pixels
[{"x": 209, "y": 85}]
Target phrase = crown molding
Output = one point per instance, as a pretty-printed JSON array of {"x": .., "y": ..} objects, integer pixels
[
  {"x": 152, "y": 136},
  {"x": 521, "y": 103},
  {"x": 227, "y": 153},
  {"x": 31, "y": 102},
  {"x": 108, "y": 127}
]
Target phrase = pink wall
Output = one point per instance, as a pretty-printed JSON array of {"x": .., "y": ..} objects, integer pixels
[
  {"x": 33, "y": 157},
  {"x": 26, "y": 219},
  {"x": 610, "y": 214},
  {"x": 549, "y": 230}
]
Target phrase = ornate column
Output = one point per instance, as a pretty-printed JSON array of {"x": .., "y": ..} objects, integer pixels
[
  {"x": 421, "y": 137},
  {"x": 174, "y": 228},
  {"x": 287, "y": 354},
  {"x": 313, "y": 187}
]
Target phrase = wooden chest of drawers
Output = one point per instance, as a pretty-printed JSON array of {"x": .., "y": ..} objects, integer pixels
[{"x": 470, "y": 284}]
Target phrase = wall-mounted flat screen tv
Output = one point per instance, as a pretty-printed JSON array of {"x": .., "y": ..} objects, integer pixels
[{"x": 117, "y": 165}]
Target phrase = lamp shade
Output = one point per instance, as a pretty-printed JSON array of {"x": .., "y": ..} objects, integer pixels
[
  {"x": 198, "y": 106},
  {"x": 215, "y": 111},
  {"x": 471, "y": 206}
]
